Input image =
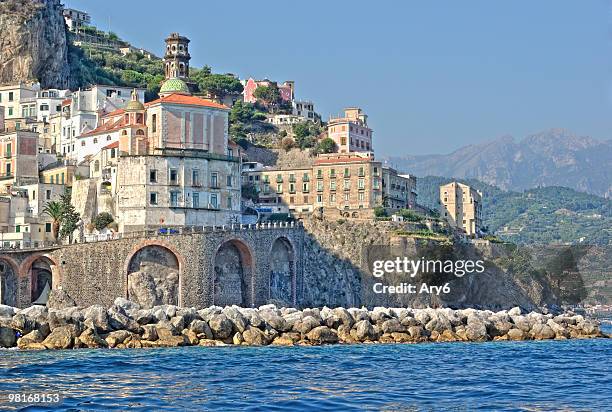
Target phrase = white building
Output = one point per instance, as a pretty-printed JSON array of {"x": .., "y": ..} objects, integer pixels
[{"x": 75, "y": 19}]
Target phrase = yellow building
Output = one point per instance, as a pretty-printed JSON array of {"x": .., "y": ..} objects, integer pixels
[{"x": 461, "y": 206}]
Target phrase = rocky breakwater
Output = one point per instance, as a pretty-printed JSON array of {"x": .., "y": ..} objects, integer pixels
[{"x": 126, "y": 325}]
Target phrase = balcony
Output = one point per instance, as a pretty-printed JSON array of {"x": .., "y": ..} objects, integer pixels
[{"x": 8, "y": 155}]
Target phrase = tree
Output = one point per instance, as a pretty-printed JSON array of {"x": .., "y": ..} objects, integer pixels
[
  {"x": 249, "y": 191},
  {"x": 54, "y": 210},
  {"x": 326, "y": 145},
  {"x": 70, "y": 218},
  {"x": 270, "y": 95},
  {"x": 287, "y": 144},
  {"x": 220, "y": 85},
  {"x": 101, "y": 221}
]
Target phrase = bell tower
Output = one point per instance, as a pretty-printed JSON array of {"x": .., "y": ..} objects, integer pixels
[{"x": 176, "y": 58}]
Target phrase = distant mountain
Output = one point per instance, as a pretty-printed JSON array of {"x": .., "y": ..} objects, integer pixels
[
  {"x": 541, "y": 215},
  {"x": 552, "y": 158}
]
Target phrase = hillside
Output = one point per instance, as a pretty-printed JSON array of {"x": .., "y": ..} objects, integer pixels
[
  {"x": 551, "y": 158},
  {"x": 541, "y": 215}
]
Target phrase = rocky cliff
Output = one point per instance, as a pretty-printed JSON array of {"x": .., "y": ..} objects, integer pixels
[
  {"x": 339, "y": 253},
  {"x": 33, "y": 45}
]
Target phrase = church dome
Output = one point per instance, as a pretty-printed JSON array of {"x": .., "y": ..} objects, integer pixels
[
  {"x": 174, "y": 85},
  {"x": 134, "y": 105}
]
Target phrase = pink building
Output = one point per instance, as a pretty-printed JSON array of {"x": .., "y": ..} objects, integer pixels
[
  {"x": 18, "y": 161},
  {"x": 351, "y": 132},
  {"x": 286, "y": 89}
]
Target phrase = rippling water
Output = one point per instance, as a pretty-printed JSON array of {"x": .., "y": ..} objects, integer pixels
[{"x": 548, "y": 375}]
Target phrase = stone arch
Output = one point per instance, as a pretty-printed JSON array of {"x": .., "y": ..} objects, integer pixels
[
  {"x": 41, "y": 271},
  {"x": 9, "y": 286},
  {"x": 282, "y": 279},
  {"x": 153, "y": 271},
  {"x": 233, "y": 272}
]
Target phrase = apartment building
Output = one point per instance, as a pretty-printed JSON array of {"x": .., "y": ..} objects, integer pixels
[
  {"x": 351, "y": 132},
  {"x": 461, "y": 206},
  {"x": 18, "y": 159}
]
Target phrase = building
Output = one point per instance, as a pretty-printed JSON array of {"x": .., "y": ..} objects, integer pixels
[
  {"x": 287, "y": 89},
  {"x": 76, "y": 19},
  {"x": 461, "y": 206},
  {"x": 177, "y": 57},
  {"x": 351, "y": 132},
  {"x": 19, "y": 101},
  {"x": 305, "y": 109},
  {"x": 64, "y": 172},
  {"x": 399, "y": 191},
  {"x": 412, "y": 186},
  {"x": 18, "y": 159}
]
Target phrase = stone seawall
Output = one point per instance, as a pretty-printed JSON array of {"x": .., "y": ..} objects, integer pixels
[{"x": 126, "y": 325}]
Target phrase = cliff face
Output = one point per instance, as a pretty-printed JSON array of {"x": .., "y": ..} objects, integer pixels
[
  {"x": 338, "y": 253},
  {"x": 33, "y": 44}
]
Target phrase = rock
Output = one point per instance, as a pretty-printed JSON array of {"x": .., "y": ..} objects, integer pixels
[
  {"x": 515, "y": 311},
  {"x": 400, "y": 337},
  {"x": 522, "y": 323},
  {"x": 221, "y": 326},
  {"x": 363, "y": 330},
  {"x": 151, "y": 289},
  {"x": 23, "y": 324},
  {"x": 286, "y": 339},
  {"x": 392, "y": 325},
  {"x": 178, "y": 322},
  {"x": 422, "y": 316},
  {"x": 149, "y": 332},
  {"x": 345, "y": 317},
  {"x": 90, "y": 338},
  {"x": 8, "y": 337},
  {"x": 540, "y": 331},
  {"x": 447, "y": 336},
  {"x": 146, "y": 316},
  {"x": 254, "y": 319},
  {"x": 165, "y": 330},
  {"x": 237, "y": 338},
  {"x": 97, "y": 314},
  {"x": 499, "y": 327},
  {"x": 172, "y": 341},
  {"x": 515, "y": 334},
  {"x": 190, "y": 336},
  {"x": 33, "y": 337},
  {"x": 115, "y": 338},
  {"x": 6, "y": 311},
  {"x": 60, "y": 299},
  {"x": 237, "y": 318},
  {"x": 322, "y": 335},
  {"x": 200, "y": 327},
  {"x": 275, "y": 321},
  {"x": 127, "y": 305},
  {"x": 560, "y": 331},
  {"x": 61, "y": 337},
  {"x": 306, "y": 325},
  {"x": 119, "y": 320},
  {"x": 476, "y": 330},
  {"x": 254, "y": 336}
]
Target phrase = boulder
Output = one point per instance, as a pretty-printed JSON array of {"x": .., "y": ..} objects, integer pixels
[
  {"x": 254, "y": 336},
  {"x": 254, "y": 318},
  {"x": 23, "y": 323},
  {"x": 392, "y": 325},
  {"x": 515, "y": 334},
  {"x": 221, "y": 326},
  {"x": 32, "y": 340},
  {"x": 190, "y": 336},
  {"x": 363, "y": 330},
  {"x": 8, "y": 337},
  {"x": 149, "y": 332},
  {"x": 127, "y": 305},
  {"x": 90, "y": 338},
  {"x": 201, "y": 328},
  {"x": 306, "y": 325},
  {"x": 97, "y": 314},
  {"x": 237, "y": 338},
  {"x": 117, "y": 337},
  {"x": 541, "y": 331},
  {"x": 165, "y": 330},
  {"x": 322, "y": 335},
  {"x": 345, "y": 317},
  {"x": 6, "y": 311},
  {"x": 476, "y": 330},
  {"x": 146, "y": 316},
  {"x": 274, "y": 320},
  {"x": 286, "y": 339},
  {"x": 60, "y": 299},
  {"x": 515, "y": 311},
  {"x": 61, "y": 337},
  {"x": 237, "y": 318}
]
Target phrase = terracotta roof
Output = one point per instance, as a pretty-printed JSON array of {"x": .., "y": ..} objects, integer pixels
[
  {"x": 106, "y": 128},
  {"x": 115, "y": 112},
  {"x": 113, "y": 145},
  {"x": 187, "y": 100},
  {"x": 343, "y": 160},
  {"x": 66, "y": 102}
]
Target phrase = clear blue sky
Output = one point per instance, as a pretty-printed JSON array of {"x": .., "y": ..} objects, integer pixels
[{"x": 432, "y": 75}]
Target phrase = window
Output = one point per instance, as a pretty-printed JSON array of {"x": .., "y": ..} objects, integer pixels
[
  {"x": 82, "y": 143},
  {"x": 17, "y": 228},
  {"x": 8, "y": 169},
  {"x": 332, "y": 185},
  {"x": 11, "y": 96},
  {"x": 195, "y": 177},
  {"x": 47, "y": 227},
  {"x": 319, "y": 186},
  {"x": 63, "y": 178},
  {"x": 8, "y": 150},
  {"x": 279, "y": 188},
  {"x": 48, "y": 195},
  {"x": 154, "y": 123},
  {"x": 291, "y": 177},
  {"x": 10, "y": 111},
  {"x": 214, "y": 203},
  {"x": 361, "y": 183},
  {"x": 346, "y": 197},
  {"x": 113, "y": 153},
  {"x": 229, "y": 181},
  {"x": 52, "y": 177},
  {"x": 347, "y": 172},
  {"x": 319, "y": 198},
  {"x": 347, "y": 184},
  {"x": 343, "y": 140},
  {"x": 229, "y": 202},
  {"x": 173, "y": 199},
  {"x": 173, "y": 177},
  {"x": 305, "y": 178},
  {"x": 332, "y": 198},
  {"x": 33, "y": 194},
  {"x": 214, "y": 179},
  {"x": 153, "y": 176},
  {"x": 108, "y": 138},
  {"x": 361, "y": 172},
  {"x": 361, "y": 196},
  {"x": 95, "y": 140},
  {"x": 319, "y": 174},
  {"x": 196, "y": 199},
  {"x": 153, "y": 198},
  {"x": 332, "y": 173}
]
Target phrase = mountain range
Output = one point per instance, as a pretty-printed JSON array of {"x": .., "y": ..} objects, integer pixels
[{"x": 552, "y": 158}]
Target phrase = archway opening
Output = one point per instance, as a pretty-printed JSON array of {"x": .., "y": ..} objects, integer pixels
[
  {"x": 41, "y": 280},
  {"x": 154, "y": 277},
  {"x": 8, "y": 283},
  {"x": 282, "y": 273},
  {"x": 233, "y": 270}
]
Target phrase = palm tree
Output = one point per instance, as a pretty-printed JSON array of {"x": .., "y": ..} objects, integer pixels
[{"x": 54, "y": 210}]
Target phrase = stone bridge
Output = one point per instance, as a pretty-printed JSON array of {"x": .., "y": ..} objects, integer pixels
[{"x": 242, "y": 266}]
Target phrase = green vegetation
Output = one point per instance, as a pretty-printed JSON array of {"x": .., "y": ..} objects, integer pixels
[
  {"x": 422, "y": 233},
  {"x": 542, "y": 215},
  {"x": 54, "y": 210},
  {"x": 287, "y": 144},
  {"x": 65, "y": 218},
  {"x": 306, "y": 134},
  {"x": 410, "y": 215},
  {"x": 243, "y": 117},
  {"x": 217, "y": 86},
  {"x": 379, "y": 211},
  {"x": 249, "y": 191},
  {"x": 102, "y": 221}
]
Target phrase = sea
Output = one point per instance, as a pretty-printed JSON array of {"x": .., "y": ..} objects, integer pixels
[{"x": 571, "y": 375}]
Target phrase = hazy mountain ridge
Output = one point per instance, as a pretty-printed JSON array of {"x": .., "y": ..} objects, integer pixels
[{"x": 552, "y": 158}]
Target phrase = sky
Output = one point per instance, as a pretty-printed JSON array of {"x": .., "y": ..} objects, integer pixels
[{"x": 432, "y": 76}]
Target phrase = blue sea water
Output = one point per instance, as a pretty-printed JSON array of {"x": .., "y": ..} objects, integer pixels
[{"x": 574, "y": 375}]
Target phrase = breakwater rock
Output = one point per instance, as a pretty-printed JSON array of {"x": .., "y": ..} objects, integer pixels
[{"x": 126, "y": 325}]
